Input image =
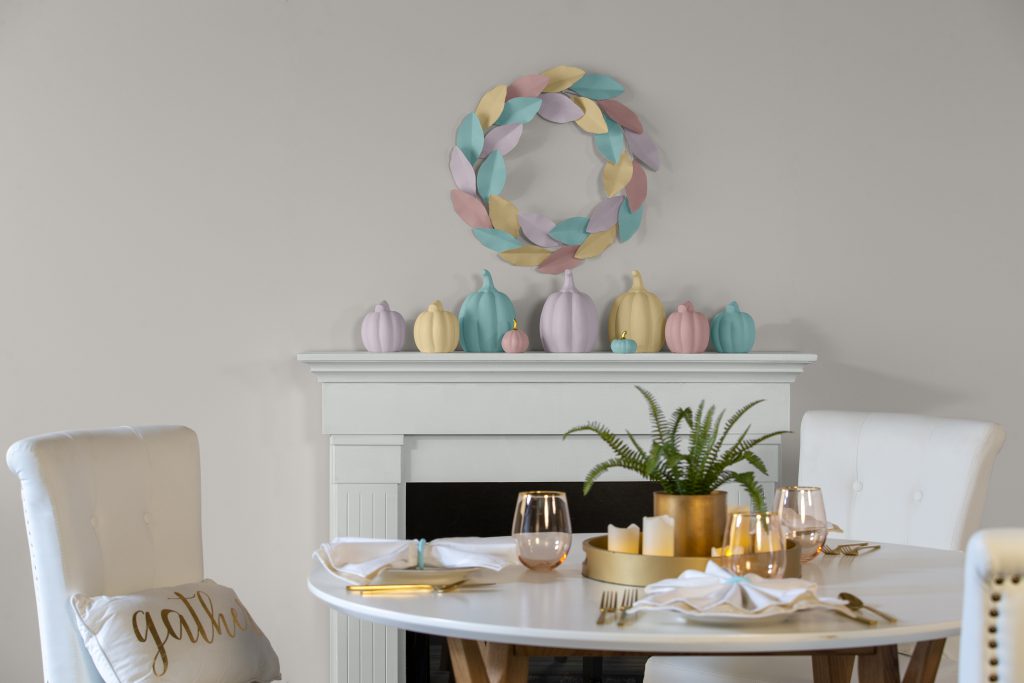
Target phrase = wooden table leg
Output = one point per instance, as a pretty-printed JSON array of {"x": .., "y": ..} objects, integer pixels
[
  {"x": 881, "y": 667},
  {"x": 832, "y": 668},
  {"x": 477, "y": 662},
  {"x": 924, "y": 664}
]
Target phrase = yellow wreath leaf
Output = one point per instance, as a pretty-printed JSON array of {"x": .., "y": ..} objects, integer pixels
[
  {"x": 596, "y": 243},
  {"x": 617, "y": 176},
  {"x": 504, "y": 214},
  {"x": 525, "y": 256},
  {"x": 592, "y": 120},
  {"x": 490, "y": 106},
  {"x": 561, "y": 77}
]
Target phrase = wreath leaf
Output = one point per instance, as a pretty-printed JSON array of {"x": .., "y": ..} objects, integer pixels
[
  {"x": 491, "y": 104},
  {"x": 629, "y": 221},
  {"x": 596, "y": 243},
  {"x": 604, "y": 215},
  {"x": 536, "y": 227},
  {"x": 470, "y": 209},
  {"x": 529, "y": 255},
  {"x": 490, "y": 177},
  {"x": 610, "y": 144},
  {"x": 560, "y": 260},
  {"x": 527, "y": 86},
  {"x": 598, "y": 87},
  {"x": 558, "y": 108},
  {"x": 636, "y": 188},
  {"x": 592, "y": 120},
  {"x": 570, "y": 231},
  {"x": 470, "y": 137},
  {"x": 621, "y": 114},
  {"x": 504, "y": 215},
  {"x": 615, "y": 176},
  {"x": 462, "y": 171},
  {"x": 562, "y": 77},
  {"x": 641, "y": 146},
  {"x": 502, "y": 139},
  {"x": 519, "y": 110},
  {"x": 496, "y": 240}
]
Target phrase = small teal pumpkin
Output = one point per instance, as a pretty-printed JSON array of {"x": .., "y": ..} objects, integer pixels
[
  {"x": 484, "y": 318},
  {"x": 732, "y": 330},
  {"x": 623, "y": 345}
]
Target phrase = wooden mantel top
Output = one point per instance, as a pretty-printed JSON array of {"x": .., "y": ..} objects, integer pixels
[{"x": 360, "y": 366}]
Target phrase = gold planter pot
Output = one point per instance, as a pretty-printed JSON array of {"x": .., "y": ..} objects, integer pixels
[{"x": 700, "y": 521}]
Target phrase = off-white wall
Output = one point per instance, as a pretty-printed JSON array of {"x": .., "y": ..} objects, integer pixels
[{"x": 192, "y": 192}]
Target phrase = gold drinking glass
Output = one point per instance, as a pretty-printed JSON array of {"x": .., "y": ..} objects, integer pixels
[
  {"x": 754, "y": 544},
  {"x": 542, "y": 529},
  {"x": 801, "y": 512}
]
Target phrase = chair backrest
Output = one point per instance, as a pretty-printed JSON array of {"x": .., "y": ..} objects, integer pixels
[
  {"x": 900, "y": 478},
  {"x": 107, "y": 512},
  {"x": 992, "y": 637}
]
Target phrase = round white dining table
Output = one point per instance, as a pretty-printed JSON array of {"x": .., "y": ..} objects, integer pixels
[{"x": 493, "y": 630}]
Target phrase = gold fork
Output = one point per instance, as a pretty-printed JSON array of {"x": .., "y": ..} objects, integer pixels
[
  {"x": 609, "y": 601},
  {"x": 849, "y": 549},
  {"x": 628, "y": 599}
]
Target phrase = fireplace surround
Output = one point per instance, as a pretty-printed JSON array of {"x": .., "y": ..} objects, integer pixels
[{"x": 400, "y": 418}]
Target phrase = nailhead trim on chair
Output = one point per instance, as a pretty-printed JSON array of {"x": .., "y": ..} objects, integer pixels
[{"x": 995, "y": 597}]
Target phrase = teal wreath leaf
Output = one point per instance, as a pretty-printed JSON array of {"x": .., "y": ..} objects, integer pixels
[
  {"x": 490, "y": 178},
  {"x": 470, "y": 137},
  {"x": 597, "y": 87},
  {"x": 519, "y": 110},
  {"x": 570, "y": 231},
  {"x": 496, "y": 240},
  {"x": 629, "y": 221},
  {"x": 610, "y": 144}
]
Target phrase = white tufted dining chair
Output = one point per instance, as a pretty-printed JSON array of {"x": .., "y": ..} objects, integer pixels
[
  {"x": 886, "y": 477},
  {"x": 992, "y": 637},
  {"x": 107, "y": 512}
]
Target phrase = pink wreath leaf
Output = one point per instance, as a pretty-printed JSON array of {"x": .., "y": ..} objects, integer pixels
[
  {"x": 558, "y": 108},
  {"x": 621, "y": 114},
  {"x": 636, "y": 188},
  {"x": 462, "y": 171},
  {"x": 501, "y": 138},
  {"x": 470, "y": 209},
  {"x": 561, "y": 260},
  {"x": 527, "y": 86}
]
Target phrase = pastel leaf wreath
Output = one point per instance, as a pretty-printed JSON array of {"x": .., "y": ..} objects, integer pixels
[{"x": 488, "y": 134}]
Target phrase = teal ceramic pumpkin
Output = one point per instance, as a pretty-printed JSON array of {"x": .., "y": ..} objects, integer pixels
[
  {"x": 486, "y": 315},
  {"x": 732, "y": 330},
  {"x": 623, "y": 345}
]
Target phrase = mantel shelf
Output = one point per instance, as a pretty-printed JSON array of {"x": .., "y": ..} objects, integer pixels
[{"x": 349, "y": 366}]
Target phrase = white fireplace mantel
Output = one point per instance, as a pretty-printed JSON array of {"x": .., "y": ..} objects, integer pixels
[{"x": 398, "y": 418}]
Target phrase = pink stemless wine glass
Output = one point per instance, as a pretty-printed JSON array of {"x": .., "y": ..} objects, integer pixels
[
  {"x": 542, "y": 529},
  {"x": 754, "y": 544},
  {"x": 801, "y": 511}
]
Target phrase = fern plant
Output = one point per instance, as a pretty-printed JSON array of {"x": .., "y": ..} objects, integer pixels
[{"x": 697, "y": 467}]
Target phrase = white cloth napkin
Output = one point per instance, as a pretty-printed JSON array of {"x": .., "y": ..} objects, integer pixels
[
  {"x": 360, "y": 559},
  {"x": 717, "y": 590}
]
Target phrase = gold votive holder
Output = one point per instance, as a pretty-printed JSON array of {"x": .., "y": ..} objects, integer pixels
[{"x": 631, "y": 569}]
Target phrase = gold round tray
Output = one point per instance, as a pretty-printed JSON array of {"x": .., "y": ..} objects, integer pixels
[{"x": 631, "y": 569}]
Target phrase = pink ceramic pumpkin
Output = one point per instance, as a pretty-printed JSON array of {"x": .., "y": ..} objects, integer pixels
[
  {"x": 515, "y": 340},
  {"x": 383, "y": 329},
  {"x": 687, "y": 330}
]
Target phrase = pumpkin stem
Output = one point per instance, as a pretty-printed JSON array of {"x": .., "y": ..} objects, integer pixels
[
  {"x": 382, "y": 306},
  {"x": 568, "y": 284},
  {"x": 638, "y": 282},
  {"x": 436, "y": 306},
  {"x": 488, "y": 282},
  {"x": 515, "y": 324},
  {"x": 733, "y": 307},
  {"x": 686, "y": 307},
  {"x": 623, "y": 335}
]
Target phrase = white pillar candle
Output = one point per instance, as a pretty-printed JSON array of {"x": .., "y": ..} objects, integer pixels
[
  {"x": 659, "y": 536},
  {"x": 624, "y": 540}
]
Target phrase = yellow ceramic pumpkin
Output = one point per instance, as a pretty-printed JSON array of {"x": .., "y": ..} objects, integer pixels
[
  {"x": 436, "y": 330},
  {"x": 642, "y": 313}
]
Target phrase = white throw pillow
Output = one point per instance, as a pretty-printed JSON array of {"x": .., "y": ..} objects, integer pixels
[{"x": 193, "y": 633}]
